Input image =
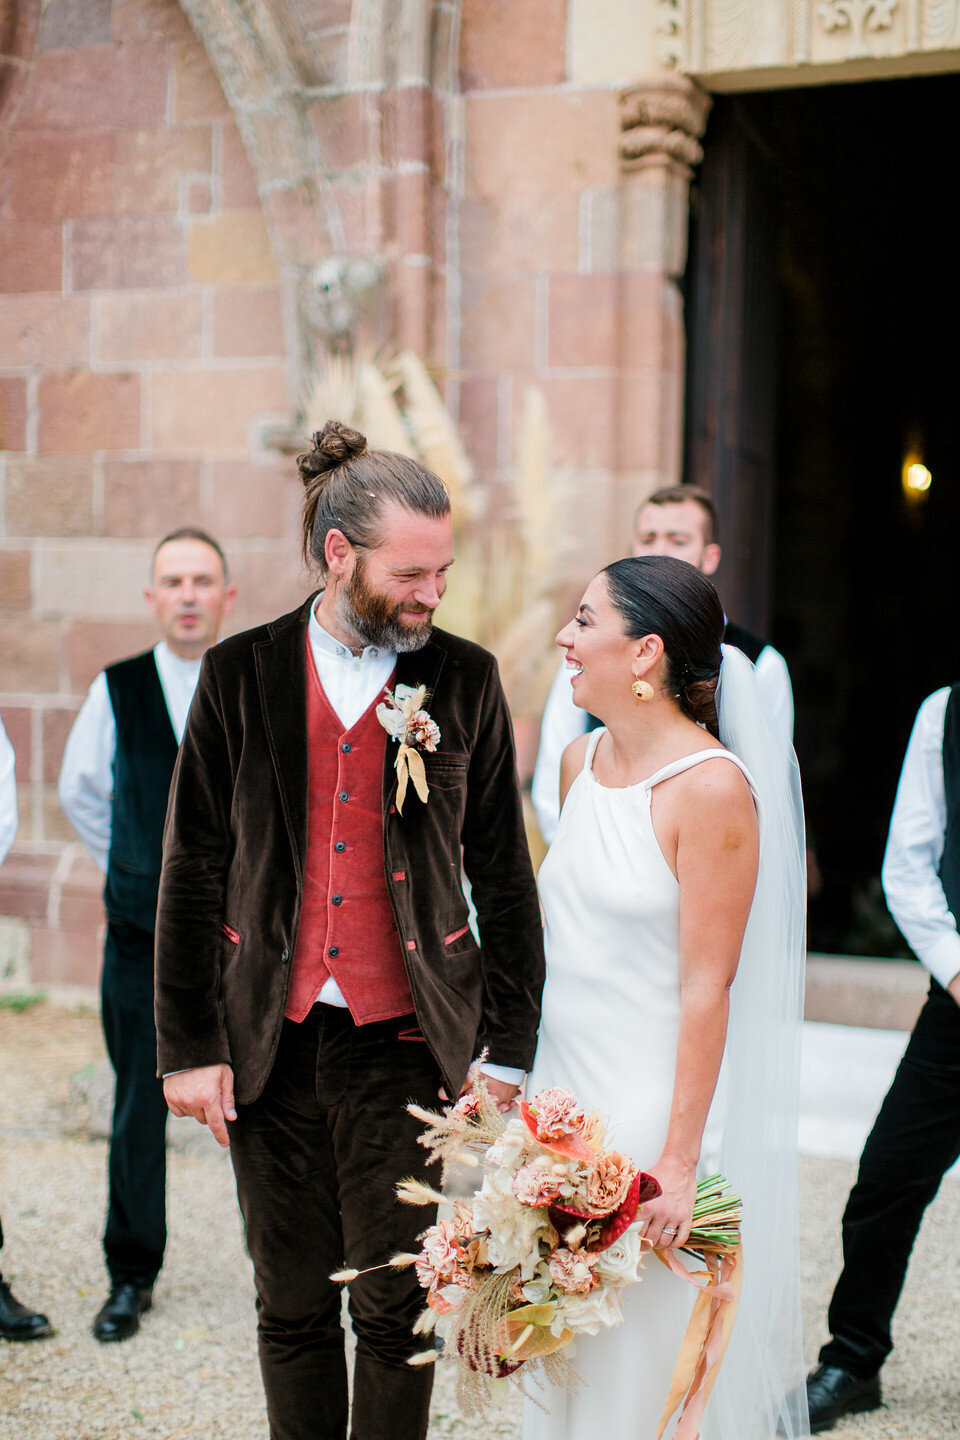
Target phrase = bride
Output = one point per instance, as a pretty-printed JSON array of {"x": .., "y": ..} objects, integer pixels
[{"x": 673, "y": 896}]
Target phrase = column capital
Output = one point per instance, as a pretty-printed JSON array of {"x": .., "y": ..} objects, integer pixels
[{"x": 661, "y": 124}]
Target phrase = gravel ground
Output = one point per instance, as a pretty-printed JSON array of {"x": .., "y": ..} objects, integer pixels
[{"x": 192, "y": 1370}]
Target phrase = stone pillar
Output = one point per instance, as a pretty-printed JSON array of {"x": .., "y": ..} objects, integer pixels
[{"x": 661, "y": 125}]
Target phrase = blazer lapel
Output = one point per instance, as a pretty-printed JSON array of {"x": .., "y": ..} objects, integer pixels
[
  {"x": 414, "y": 667},
  {"x": 282, "y": 680}
]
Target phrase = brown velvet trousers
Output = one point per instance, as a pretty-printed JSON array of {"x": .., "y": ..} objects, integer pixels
[{"x": 317, "y": 1158}]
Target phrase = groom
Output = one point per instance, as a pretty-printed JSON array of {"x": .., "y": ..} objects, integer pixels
[{"x": 315, "y": 965}]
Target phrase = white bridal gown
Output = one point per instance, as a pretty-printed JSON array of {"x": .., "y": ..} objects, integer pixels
[{"x": 611, "y": 1014}]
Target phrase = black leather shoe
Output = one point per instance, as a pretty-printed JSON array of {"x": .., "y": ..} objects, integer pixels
[
  {"x": 119, "y": 1316},
  {"x": 19, "y": 1323},
  {"x": 832, "y": 1392}
]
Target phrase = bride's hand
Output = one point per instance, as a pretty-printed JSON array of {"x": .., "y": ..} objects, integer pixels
[{"x": 666, "y": 1220}]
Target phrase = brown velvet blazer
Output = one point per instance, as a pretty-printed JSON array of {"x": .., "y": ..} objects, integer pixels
[{"x": 235, "y": 847}]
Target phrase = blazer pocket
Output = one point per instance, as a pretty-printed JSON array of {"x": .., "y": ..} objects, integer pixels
[
  {"x": 232, "y": 935},
  {"x": 446, "y": 770},
  {"x": 458, "y": 940}
]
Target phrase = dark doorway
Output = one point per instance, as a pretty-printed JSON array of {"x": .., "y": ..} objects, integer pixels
[{"x": 824, "y": 287}]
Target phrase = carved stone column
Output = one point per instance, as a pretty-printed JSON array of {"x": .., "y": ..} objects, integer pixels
[{"x": 661, "y": 126}]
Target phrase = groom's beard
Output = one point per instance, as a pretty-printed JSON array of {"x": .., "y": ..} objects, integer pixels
[{"x": 375, "y": 619}]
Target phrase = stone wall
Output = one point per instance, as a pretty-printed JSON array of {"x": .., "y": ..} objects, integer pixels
[{"x": 171, "y": 177}]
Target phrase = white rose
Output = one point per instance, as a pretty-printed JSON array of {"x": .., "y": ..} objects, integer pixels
[
  {"x": 587, "y": 1313},
  {"x": 513, "y": 1229},
  {"x": 619, "y": 1263},
  {"x": 513, "y": 1144},
  {"x": 392, "y": 721}
]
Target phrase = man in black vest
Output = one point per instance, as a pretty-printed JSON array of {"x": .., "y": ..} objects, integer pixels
[
  {"x": 114, "y": 783},
  {"x": 916, "y": 1136},
  {"x": 679, "y": 520}
]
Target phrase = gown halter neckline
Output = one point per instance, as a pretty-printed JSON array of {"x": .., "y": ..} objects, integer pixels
[{"x": 666, "y": 772}]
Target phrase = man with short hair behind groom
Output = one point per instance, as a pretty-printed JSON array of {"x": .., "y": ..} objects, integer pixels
[{"x": 316, "y": 969}]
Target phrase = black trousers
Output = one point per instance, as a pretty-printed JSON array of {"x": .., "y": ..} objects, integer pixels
[
  {"x": 136, "y": 1230},
  {"x": 317, "y": 1159},
  {"x": 915, "y": 1139}
]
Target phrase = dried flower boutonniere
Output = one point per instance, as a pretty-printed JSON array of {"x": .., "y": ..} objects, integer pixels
[{"x": 405, "y": 721}]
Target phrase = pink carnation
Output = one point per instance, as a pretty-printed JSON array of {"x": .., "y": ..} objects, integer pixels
[
  {"x": 537, "y": 1182},
  {"x": 422, "y": 731},
  {"x": 468, "y": 1105},
  {"x": 573, "y": 1272},
  {"x": 439, "y": 1260},
  {"x": 557, "y": 1113},
  {"x": 607, "y": 1181}
]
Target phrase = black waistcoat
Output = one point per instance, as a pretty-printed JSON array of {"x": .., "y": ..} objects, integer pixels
[
  {"x": 741, "y": 639},
  {"x": 950, "y": 861},
  {"x": 143, "y": 769}
]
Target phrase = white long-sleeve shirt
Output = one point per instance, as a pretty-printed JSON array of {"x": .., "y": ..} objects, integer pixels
[
  {"x": 86, "y": 774},
  {"x": 914, "y": 850},
  {"x": 8, "y": 794},
  {"x": 563, "y": 722}
]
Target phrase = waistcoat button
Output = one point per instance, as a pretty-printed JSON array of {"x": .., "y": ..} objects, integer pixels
[
  {"x": 346, "y": 749},
  {"x": 337, "y": 900},
  {"x": 333, "y": 952},
  {"x": 343, "y": 796},
  {"x": 285, "y": 956},
  {"x": 340, "y": 847}
]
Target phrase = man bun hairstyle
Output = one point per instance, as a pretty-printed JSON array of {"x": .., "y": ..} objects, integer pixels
[
  {"x": 347, "y": 485},
  {"x": 659, "y": 595}
]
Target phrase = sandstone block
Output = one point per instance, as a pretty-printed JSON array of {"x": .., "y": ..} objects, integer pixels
[
  {"x": 196, "y": 196},
  {"x": 31, "y": 655},
  {"x": 92, "y": 644},
  {"x": 81, "y": 412},
  {"x": 149, "y": 498},
  {"x": 212, "y": 409},
  {"x": 58, "y": 177},
  {"x": 198, "y": 94},
  {"x": 581, "y": 326},
  {"x": 498, "y": 318},
  {"x": 64, "y": 957},
  {"x": 68, "y": 24},
  {"x": 136, "y": 325},
  {"x": 13, "y": 412},
  {"x": 270, "y": 581},
  {"x": 644, "y": 295},
  {"x": 54, "y": 824},
  {"x": 232, "y": 248},
  {"x": 25, "y": 884},
  {"x": 479, "y": 419},
  {"x": 646, "y": 416},
  {"x": 506, "y": 43},
  {"x": 150, "y": 20},
  {"x": 44, "y": 329},
  {"x": 49, "y": 497},
  {"x": 31, "y": 257},
  {"x": 248, "y": 320},
  {"x": 57, "y": 722},
  {"x": 237, "y": 175},
  {"x": 102, "y": 86},
  {"x": 583, "y": 414},
  {"x": 583, "y": 129},
  {"x": 136, "y": 252},
  {"x": 518, "y": 232},
  {"x": 344, "y": 125},
  {"x": 18, "y": 723},
  {"x": 150, "y": 163},
  {"x": 323, "y": 14},
  {"x": 253, "y": 499},
  {"x": 14, "y": 583},
  {"x": 95, "y": 580}
]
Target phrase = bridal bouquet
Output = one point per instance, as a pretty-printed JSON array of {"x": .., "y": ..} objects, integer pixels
[{"x": 545, "y": 1246}]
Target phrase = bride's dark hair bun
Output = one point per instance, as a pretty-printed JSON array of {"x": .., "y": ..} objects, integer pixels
[
  {"x": 335, "y": 444},
  {"x": 658, "y": 595}
]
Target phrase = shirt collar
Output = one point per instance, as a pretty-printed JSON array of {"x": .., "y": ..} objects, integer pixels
[
  {"x": 334, "y": 649},
  {"x": 176, "y": 662}
]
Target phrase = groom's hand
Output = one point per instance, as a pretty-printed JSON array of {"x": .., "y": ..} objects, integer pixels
[
  {"x": 206, "y": 1093},
  {"x": 499, "y": 1091}
]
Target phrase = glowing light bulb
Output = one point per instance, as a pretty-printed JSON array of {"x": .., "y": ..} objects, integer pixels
[{"x": 916, "y": 478}]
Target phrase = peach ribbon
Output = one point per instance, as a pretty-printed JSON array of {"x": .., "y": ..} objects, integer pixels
[{"x": 708, "y": 1332}]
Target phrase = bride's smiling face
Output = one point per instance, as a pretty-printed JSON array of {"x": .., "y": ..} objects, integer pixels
[{"x": 601, "y": 659}]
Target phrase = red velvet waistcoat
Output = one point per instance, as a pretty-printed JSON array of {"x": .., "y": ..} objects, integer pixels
[{"x": 347, "y": 928}]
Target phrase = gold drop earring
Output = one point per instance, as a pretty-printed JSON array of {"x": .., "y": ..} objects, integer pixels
[{"x": 642, "y": 689}]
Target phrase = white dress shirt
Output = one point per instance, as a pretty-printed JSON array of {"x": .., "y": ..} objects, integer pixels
[
  {"x": 563, "y": 722},
  {"x": 8, "y": 794},
  {"x": 351, "y": 683},
  {"x": 915, "y": 847},
  {"x": 86, "y": 775}
]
